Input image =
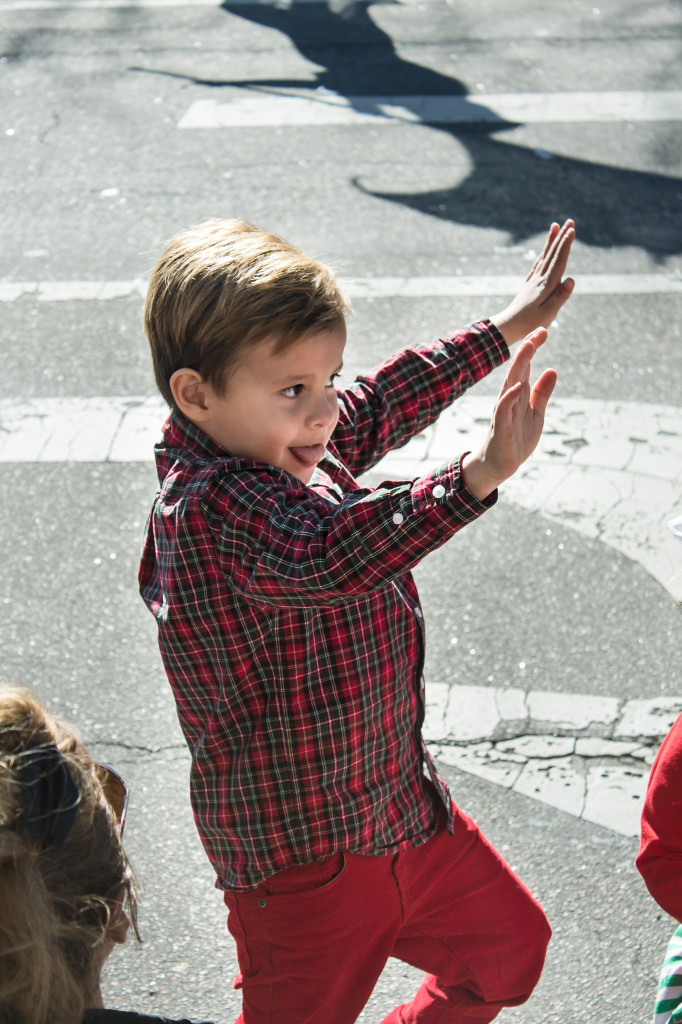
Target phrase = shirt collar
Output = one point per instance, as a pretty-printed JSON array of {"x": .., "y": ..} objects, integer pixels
[
  {"x": 181, "y": 435},
  {"x": 183, "y": 439}
]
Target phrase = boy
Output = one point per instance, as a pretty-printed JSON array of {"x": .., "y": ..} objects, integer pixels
[{"x": 291, "y": 631}]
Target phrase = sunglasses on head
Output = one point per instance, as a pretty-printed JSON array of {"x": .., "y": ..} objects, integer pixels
[{"x": 115, "y": 792}]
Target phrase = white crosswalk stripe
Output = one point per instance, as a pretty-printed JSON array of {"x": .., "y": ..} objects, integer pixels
[
  {"x": 273, "y": 108},
  {"x": 415, "y": 287},
  {"x": 131, "y": 5}
]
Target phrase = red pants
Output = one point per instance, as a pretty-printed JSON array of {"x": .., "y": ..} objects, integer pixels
[{"x": 313, "y": 940}]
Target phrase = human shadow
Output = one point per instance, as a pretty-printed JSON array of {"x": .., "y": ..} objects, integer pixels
[
  {"x": 514, "y": 189},
  {"x": 356, "y": 57},
  {"x": 510, "y": 187}
]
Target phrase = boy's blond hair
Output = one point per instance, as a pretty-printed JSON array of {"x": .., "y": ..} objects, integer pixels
[{"x": 223, "y": 285}]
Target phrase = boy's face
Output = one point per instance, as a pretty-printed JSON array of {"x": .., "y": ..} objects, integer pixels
[{"x": 280, "y": 408}]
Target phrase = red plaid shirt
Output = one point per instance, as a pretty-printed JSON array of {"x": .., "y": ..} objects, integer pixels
[{"x": 290, "y": 626}]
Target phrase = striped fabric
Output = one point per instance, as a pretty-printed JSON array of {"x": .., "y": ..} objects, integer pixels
[
  {"x": 668, "y": 1009},
  {"x": 290, "y": 626}
]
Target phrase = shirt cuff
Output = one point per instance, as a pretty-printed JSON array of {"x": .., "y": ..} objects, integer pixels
[{"x": 444, "y": 489}]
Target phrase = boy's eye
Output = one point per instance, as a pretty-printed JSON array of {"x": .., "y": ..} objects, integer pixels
[{"x": 295, "y": 389}]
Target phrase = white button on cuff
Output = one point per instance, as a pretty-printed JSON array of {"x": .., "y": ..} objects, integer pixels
[
  {"x": 398, "y": 517},
  {"x": 438, "y": 491}
]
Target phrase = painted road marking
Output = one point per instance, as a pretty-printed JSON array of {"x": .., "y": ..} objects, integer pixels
[
  {"x": 107, "y": 5},
  {"x": 612, "y": 471},
  {"x": 588, "y": 756},
  {"x": 463, "y": 285},
  {"x": 323, "y": 107},
  {"x": 106, "y": 429},
  {"x": 72, "y": 291}
]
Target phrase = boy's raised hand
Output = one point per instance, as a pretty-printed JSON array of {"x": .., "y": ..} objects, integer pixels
[
  {"x": 544, "y": 290},
  {"x": 516, "y": 423}
]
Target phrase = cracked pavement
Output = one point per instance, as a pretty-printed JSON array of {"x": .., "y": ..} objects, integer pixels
[{"x": 588, "y": 756}]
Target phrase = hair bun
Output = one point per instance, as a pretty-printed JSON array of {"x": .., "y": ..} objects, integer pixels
[{"x": 50, "y": 796}]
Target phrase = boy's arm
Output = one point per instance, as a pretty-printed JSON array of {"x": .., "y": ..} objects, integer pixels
[
  {"x": 294, "y": 548},
  {"x": 384, "y": 409},
  {"x": 660, "y": 855},
  {"x": 288, "y": 547}
]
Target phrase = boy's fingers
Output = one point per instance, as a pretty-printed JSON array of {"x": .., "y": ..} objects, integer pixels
[
  {"x": 504, "y": 407},
  {"x": 554, "y": 231},
  {"x": 562, "y": 248},
  {"x": 563, "y": 291},
  {"x": 518, "y": 373},
  {"x": 520, "y": 364},
  {"x": 537, "y": 337},
  {"x": 554, "y": 256},
  {"x": 542, "y": 391},
  {"x": 519, "y": 368},
  {"x": 553, "y": 303},
  {"x": 541, "y": 260},
  {"x": 561, "y": 238}
]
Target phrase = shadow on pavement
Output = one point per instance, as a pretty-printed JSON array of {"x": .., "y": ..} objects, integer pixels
[{"x": 510, "y": 187}]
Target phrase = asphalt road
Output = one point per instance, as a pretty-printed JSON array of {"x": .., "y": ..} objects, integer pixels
[{"x": 96, "y": 173}]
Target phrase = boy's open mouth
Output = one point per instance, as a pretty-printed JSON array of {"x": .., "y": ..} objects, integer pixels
[{"x": 308, "y": 454}]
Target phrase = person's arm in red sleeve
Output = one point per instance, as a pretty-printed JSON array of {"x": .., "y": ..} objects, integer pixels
[{"x": 660, "y": 855}]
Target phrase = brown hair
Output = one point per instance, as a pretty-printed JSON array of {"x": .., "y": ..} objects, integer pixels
[
  {"x": 225, "y": 284},
  {"x": 57, "y": 901}
]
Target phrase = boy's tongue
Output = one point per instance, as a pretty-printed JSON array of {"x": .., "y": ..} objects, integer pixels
[{"x": 308, "y": 454}]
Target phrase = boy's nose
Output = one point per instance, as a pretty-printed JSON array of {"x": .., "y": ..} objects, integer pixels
[{"x": 324, "y": 409}]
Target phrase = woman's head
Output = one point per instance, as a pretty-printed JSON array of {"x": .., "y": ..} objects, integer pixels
[{"x": 64, "y": 878}]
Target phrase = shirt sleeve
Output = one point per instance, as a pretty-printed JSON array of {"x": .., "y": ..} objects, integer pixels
[
  {"x": 384, "y": 409},
  {"x": 285, "y": 547},
  {"x": 660, "y": 855}
]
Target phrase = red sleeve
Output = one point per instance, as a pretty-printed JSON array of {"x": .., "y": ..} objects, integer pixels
[
  {"x": 383, "y": 409},
  {"x": 660, "y": 854}
]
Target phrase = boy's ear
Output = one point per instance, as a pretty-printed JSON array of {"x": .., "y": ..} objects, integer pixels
[{"x": 189, "y": 391}]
